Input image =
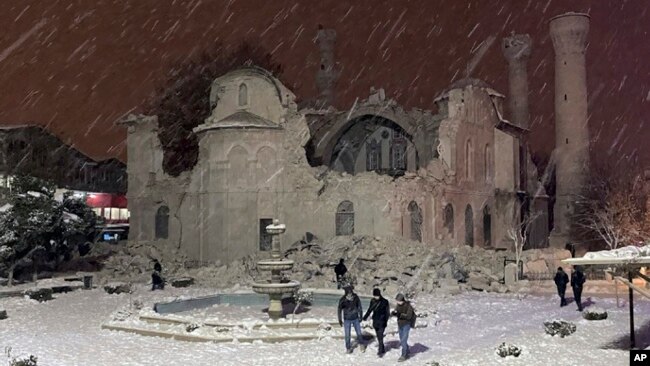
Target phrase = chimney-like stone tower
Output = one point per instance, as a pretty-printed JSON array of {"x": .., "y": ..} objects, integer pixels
[
  {"x": 327, "y": 72},
  {"x": 516, "y": 49},
  {"x": 569, "y": 33}
]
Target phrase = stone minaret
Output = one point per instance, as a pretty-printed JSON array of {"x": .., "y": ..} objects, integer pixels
[
  {"x": 516, "y": 50},
  {"x": 569, "y": 34},
  {"x": 327, "y": 72}
]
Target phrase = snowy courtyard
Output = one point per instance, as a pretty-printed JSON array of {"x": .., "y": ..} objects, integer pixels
[{"x": 461, "y": 330}]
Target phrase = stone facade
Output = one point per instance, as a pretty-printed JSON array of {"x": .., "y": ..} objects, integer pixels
[{"x": 254, "y": 160}]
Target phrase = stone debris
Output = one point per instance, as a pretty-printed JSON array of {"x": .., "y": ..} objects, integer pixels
[
  {"x": 3, "y": 314},
  {"x": 39, "y": 294},
  {"x": 559, "y": 327},
  {"x": 392, "y": 264},
  {"x": 594, "y": 314},
  {"x": 506, "y": 349},
  {"x": 117, "y": 288}
]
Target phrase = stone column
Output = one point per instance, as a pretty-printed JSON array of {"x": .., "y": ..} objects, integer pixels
[
  {"x": 516, "y": 49},
  {"x": 569, "y": 34},
  {"x": 327, "y": 73}
]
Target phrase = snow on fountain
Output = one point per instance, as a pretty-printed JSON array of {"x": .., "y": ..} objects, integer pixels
[{"x": 276, "y": 288}]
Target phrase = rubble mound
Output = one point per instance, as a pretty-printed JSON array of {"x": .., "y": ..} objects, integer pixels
[
  {"x": 559, "y": 327},
  {"x": 393, "y": 264},
  {"x": 396, "y": 264},
  {"x": 594, "y": 314},
  {"x": 506, "y": 349}
]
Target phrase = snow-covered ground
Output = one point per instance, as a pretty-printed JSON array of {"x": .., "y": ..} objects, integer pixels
[{"x": 463, "y": 330}]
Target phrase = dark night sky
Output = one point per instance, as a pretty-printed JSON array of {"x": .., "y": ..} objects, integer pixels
[{"x": 76, "y": 66}]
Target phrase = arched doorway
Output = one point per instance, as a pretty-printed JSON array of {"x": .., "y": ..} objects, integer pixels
[
  {"x": 487, "y": 227},
  {"x": 469, "y": 226},
  {"x": 448, "y": 219},
  {"x": 345, "y": 218},
  {"x": 162, "y": 223},
  {"x": 416, "y": 221}
]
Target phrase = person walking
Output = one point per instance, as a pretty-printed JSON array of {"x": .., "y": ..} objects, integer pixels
[
  {"x": 350, "y": 314},
  {"x": 577, "y": 281},
  {"x": 340, "y": 270},
  {"x": 380, "y": 310},
  {"x": 405, "y": 321},
  {"x": 561, "y": 280}
]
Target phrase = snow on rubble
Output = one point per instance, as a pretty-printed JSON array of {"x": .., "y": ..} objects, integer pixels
[{"x": 390, "y": 263}]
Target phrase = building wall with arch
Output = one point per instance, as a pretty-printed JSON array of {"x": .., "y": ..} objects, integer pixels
[{"x": 252, "y": 167}]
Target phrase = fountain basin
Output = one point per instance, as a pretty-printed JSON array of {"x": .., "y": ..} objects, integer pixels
[
  {"x": 272, "y": 265},
  {"x": 275, "y": 288}
]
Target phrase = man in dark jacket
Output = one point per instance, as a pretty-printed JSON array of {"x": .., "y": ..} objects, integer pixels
[
  {"x": 405, "y": 321},
  {"x": 350, "y": 308},
  {"x": 577, "y": 281},
  {"x": 380, "y": 310},
  {"x": 561, "y": 280},
  {"x": 340, "y": 270},
  {"x": 157, "y": 281}
]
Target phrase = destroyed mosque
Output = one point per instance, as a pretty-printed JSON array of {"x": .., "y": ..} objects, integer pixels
[{"x": 456, "y": 175}]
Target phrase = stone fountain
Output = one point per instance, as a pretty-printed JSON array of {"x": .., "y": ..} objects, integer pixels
[{"x": 276, "y": 288}]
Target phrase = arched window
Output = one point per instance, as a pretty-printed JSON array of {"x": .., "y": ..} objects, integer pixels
[
  {"x": 487, "y": 226},
  {"x": 448, "y": 217},
  {"x": 345, "y": 218},
  {"x": 243, "y": 95},
  {"x": 487, "y": 164},
  {"x": 469, "y": 161},
  {"x": 416, "y": 221},
  {"x": 373, "y": 155},
  {"x": 162, "y": 222},
  {"x": 469, "y": 226}
]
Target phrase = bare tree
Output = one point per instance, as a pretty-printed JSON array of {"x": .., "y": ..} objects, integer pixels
[
  {"x": 612, "y": 211},
  {"x": 519, "y": 230}
]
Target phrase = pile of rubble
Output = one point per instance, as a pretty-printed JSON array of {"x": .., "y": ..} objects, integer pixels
[
  {"x": 397, "y": 264},
  {"x": 390, "y": 263}
]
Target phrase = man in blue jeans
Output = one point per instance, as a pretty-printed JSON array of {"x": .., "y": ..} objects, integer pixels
[
  {"x": 405, "y": 321},
  {"x": 350, "y": 308}
]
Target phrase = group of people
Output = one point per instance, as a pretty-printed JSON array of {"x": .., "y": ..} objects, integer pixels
[
  {"x": 577, "y": 281},
  {"x": 350, "y": 314}
]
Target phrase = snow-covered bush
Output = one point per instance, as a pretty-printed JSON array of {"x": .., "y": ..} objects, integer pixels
[
  {"x": 29, "y": 361},
  {"x": 39, "y": 294},
  {"x": 117, "y": 288},
  {"x": 505, "y": 350},
  {"x": 594, "y": 314},
  {"x": 302, "y": 297},
  {"x": 192, "y": 327},
  {"x": 559, "y": 327}
]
